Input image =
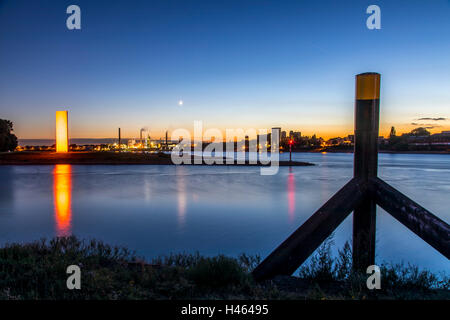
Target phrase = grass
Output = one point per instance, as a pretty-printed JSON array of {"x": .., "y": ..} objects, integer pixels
[
  {"x": 398, "y": 281},
  {"x": 37, "y": 270}
]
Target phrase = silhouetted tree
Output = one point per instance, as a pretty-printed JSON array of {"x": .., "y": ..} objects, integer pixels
[
  {"x": 393, "y": 139},
  {"x": 8, "y": 140},
  {"x": 420, "y": 132},
  {"x": 393, "y": 133}
]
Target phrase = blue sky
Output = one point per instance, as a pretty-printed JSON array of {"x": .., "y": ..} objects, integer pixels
[{"x": 247, "y": 63}]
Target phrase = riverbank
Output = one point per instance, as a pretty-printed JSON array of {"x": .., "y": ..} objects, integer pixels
[
  {"x": 350, "y": 150},
  {"x": 106, "y": 158},
  {"x": 37, "y": 271}
]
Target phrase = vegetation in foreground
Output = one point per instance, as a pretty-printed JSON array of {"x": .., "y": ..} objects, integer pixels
[{"x": 38, "y": 271}]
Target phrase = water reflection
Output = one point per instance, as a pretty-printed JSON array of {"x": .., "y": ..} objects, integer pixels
[
  {"x": 6, "y": 188},
  {"x": 291, "y": 195},
  {"x": 62, "y": 192},
  {"x": 212, "y": 210},
  {"x": 147, "y": 189},
  {"x": 181, "y": 195}
]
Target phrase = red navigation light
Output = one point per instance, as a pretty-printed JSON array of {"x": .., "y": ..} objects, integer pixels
[{"x": 291, "y": 142}]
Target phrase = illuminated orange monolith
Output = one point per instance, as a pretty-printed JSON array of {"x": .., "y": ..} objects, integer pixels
[{"x": 62, "y": 132}]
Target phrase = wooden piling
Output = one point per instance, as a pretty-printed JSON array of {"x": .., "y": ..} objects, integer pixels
[
  {"x": 367, "y": 106},
  {"x": 360, "y": 195},
  {"x": 419, "y": 220},
  {"x": 307, "y": 238}
]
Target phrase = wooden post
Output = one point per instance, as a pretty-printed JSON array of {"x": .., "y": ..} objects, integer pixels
[
  {"x": 419, "y": 220},
  {"x": 301, "y": 244},
  {"x": 360, "y": 195},
  {"x": 367, "y": 106}
]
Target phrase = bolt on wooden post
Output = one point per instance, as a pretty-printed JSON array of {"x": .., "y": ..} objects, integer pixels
[{"x": 367, "y": 109}]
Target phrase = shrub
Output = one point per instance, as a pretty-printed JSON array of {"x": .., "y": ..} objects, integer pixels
[
  {"x": 218, "y": 272},
  {"x": 37, "y": 270}
]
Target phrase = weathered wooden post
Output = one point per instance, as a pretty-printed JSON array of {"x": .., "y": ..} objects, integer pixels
[
  {"x": 367, "y": 106},
  {"x": 360, "y": 195}
]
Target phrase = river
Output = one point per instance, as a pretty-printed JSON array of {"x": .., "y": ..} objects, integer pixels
[{"x": 212, "y": 209}]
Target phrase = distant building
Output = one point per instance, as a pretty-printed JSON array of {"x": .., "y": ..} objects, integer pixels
[
  {"x": 440, "y": 138},
  {"x": 131, "y": 143},
  {"x": 335, "y": 141},
  {"x": 382, "y": 140},
  {"x": 263, "y": 140},
  {"x": 296, "y": 135},
  {"x": 279, "y": 135}
]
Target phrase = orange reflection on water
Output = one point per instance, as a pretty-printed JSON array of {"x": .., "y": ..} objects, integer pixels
[
  {"x": 62, "y": 192},
  {"x": 291, "y": 195}
]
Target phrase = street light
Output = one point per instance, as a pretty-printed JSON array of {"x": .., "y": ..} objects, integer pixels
[{"x": 291, "y": 142}]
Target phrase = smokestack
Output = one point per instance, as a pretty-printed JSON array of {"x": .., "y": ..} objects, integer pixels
[
  {"x": 145, "y": 129},
  {"x": 119, "y": 139}
]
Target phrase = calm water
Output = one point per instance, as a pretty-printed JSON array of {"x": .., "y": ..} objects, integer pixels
[{"x": 161, "y": 209}]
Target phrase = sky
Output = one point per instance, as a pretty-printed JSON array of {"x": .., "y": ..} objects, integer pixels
[{"x": 234, "y": 64}]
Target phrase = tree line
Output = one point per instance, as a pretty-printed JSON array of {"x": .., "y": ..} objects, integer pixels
[{"x": 8, "y": 140}]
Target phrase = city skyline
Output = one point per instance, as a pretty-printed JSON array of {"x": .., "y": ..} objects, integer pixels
[
  {"x": 155, "y": 137},
  {"x": 247, "y": 64}
]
